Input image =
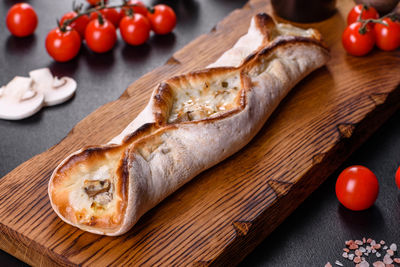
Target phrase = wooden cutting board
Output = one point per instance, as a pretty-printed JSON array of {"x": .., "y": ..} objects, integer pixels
[{"x": 220, "y": 216}]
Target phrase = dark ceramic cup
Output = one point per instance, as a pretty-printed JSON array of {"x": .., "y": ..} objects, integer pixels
[{"x": 304, "y": 10}]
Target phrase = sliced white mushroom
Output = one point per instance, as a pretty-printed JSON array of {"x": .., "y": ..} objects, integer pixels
[
  {"x": 55, "y": 90},
  {"x": 18, "y": 100}
]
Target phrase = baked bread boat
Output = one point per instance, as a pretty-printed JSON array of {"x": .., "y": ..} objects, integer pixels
[{"x": 191, "y": 123}]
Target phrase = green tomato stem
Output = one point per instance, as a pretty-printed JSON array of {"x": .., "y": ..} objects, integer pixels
[{"x": 68, "y": 22}]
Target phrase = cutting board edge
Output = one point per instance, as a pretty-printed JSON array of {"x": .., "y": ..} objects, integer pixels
[{"x": 30, "y": 251}]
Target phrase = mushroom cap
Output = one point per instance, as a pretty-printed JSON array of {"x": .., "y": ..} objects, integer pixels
[
  {"x": 18, "y": 100},
  {"x": 55, "y": 90}
]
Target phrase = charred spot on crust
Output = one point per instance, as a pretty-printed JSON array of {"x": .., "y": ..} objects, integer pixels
[
  {"x": 163, "y": 90},
  {"x": 294, "y": 40},
  {"x": 265, "y": 24},
  {"x": 147, "y": 127}
]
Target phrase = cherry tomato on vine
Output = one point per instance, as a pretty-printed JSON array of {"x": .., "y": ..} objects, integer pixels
[
  {"x": 387, "y": 37},
  {"x": 140, "y": 8},
  {"x": 356, "y": 43},
  {"x": 79, "y": 24},
  {"x": 398, "y": 178},
  {"x": 63, "y": 45},
  {"x": 162, "y": 19},
  {"x": 95, "y": 2},
  {"x": 357, "y": 188},
  {"x": 21, "y": 20},
  {"x": 100, "y": 37},
  {"x": 110, "y": 14},
  {"x": 135, "y": 29},
  {"x": 367, "y": 13}
]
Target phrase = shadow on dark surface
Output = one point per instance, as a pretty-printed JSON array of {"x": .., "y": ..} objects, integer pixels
[
  {"x": 98, "y": 62},
  {"x": 163, "y": 41},
  {"x": 61, "y": 69},
  {"x": 32, "y": 120},
  {"x": 9, "y": 3},
  {"x": 18, "y": 45},
  {"x": 228, "y": 1},
  {"x": 361, "y": 221},
  {"x": 137, "y": 54}
]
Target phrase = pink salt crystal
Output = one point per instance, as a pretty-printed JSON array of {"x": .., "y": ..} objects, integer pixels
[
  {"x": 328, "y": 264},
  {"x": 377, "y": 246},
  {"x": 353, "y": 246},
  {"x": 396, "y": 260},
  {"x": 357, "y": 260},
  {"x": 382, "y": 242},
  {"x": 369, "y": 240},
  {"x": 378, "y": 264},
  {"x": 358, "y": 253},
  {"x": 348, "y": 242},
  {"x": 387, "y": 259},
  {"x": 364, "y": 240},
  {"x": 390, "y": 252},
  {"x": 358, "y": 242},
  {"x": 346, "y": 250}
]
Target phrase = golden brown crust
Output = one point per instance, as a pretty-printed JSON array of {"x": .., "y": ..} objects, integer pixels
[{"x": 90, "y": 156}]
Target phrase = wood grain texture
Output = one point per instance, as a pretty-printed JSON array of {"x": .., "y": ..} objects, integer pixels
[{"x": 221, "y": 215}]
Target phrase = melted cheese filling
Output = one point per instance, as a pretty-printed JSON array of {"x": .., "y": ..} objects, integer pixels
[
  {"x": 93, "y": 194},
  {"x": 208, "y": 100},
  {"x": 290, "y": 30}
]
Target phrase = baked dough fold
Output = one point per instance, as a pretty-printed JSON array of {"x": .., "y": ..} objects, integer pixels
[{"x": 192, "y": 122}]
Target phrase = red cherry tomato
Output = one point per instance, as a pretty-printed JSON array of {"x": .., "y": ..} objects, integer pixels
[
  {"x": 95, "y": 2},
  {"x": 110, "y": 14},
  {"x": 63, "y": 46},
  {"x": 163, "y": 19},
  {"x": 79, "y": 24},
  {"x": 355, "y": 43},
  {"x": 21, "y": 20},
  {"x": 357, "y": 188},
  {"x": 100, "y": 38},
  {"x": 387, "y": 37},
  {"x": 367, "y": 13},
  {"x": 140, "y": 8},
  {"x": 135, "y": 30},
  {"x": 398, "y": 178}
]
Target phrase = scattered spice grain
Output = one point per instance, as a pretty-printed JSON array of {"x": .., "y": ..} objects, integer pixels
[{"x": 378, "y": 264}]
